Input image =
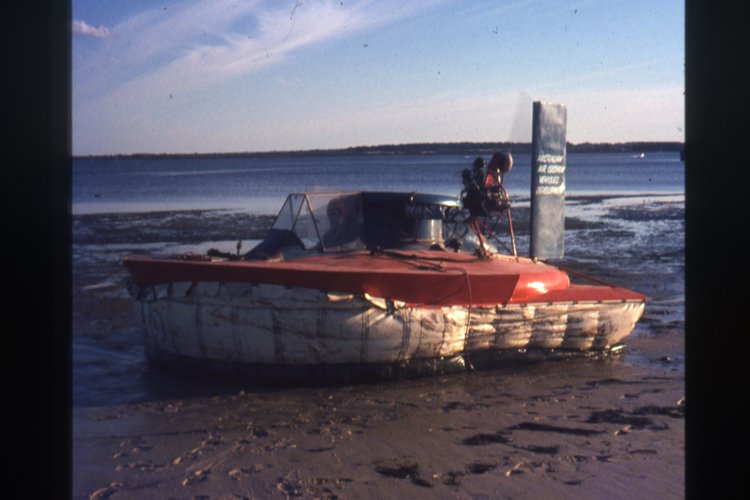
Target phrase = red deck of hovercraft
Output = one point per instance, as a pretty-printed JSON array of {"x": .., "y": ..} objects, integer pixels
[{"x": 424, "y": 278}]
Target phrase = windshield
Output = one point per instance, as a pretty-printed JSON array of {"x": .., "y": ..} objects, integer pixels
[{"x": 331, "y": 221}]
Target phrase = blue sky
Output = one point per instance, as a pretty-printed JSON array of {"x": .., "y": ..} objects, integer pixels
[{"x": 192, "y": 76}]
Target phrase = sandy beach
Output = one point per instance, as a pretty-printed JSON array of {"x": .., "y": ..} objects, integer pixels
[{"x": 578, "y": 428}]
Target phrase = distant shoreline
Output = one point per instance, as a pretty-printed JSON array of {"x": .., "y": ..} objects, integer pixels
[{"x": 468, "y": 148}]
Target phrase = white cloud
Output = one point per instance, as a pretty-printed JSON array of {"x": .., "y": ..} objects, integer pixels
[
  {"x": 199, "y": 46},
  {"x": 209, "y": 42},
  {"x": 83, "y": 28}
]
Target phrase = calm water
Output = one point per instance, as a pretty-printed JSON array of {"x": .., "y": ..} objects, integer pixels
[{"x": 259, "y": 185}]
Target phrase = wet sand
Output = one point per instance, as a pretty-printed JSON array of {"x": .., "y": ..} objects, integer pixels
[
  {"x": 610, "y": 428},
  {"x": 566, "y": 429}
]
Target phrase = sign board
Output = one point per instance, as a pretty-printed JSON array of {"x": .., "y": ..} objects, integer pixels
[{"x": 548, "y": 158}]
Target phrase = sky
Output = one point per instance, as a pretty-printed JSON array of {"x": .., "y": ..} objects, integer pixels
[{"x": 214, "y": 76}]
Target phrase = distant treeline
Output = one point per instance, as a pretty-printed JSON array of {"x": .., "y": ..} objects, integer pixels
[{"x": 465, "y": 148}]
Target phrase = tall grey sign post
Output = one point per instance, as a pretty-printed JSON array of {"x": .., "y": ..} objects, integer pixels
[{"x": 548, "y": 159}]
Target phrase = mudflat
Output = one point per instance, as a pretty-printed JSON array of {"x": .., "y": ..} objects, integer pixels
[{"x": 593, "y": 429}]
